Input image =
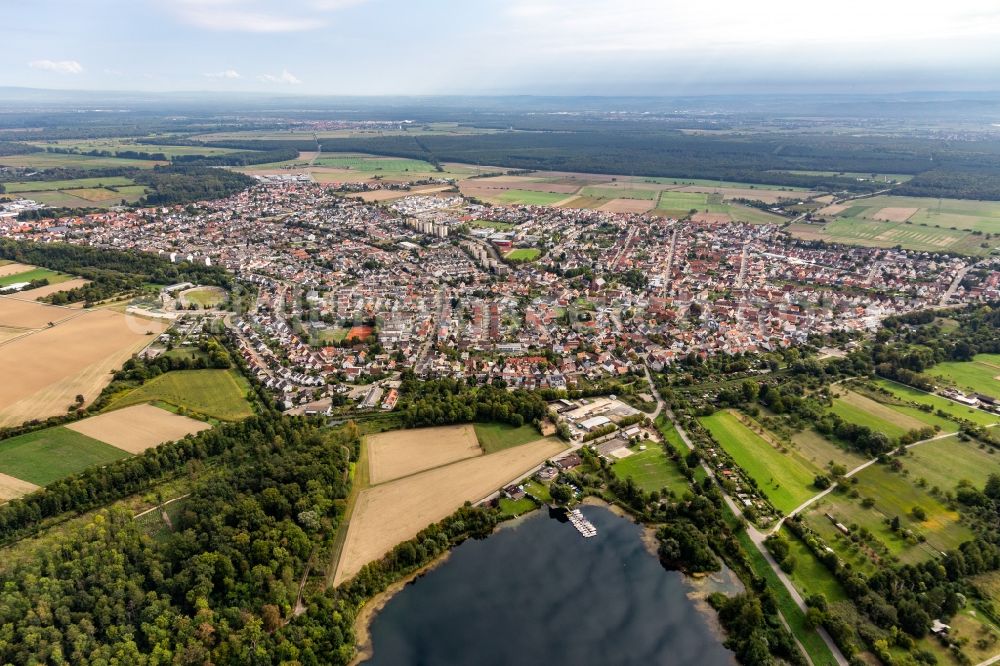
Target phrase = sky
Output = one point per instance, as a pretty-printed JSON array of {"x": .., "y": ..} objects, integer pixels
[{"x": 555, "y": 47}]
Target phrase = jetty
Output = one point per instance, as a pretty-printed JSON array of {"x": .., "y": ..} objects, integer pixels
[{"x": 582, "y": 525}]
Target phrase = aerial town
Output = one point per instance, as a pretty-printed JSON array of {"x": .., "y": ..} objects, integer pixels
[{"x": 350, "y": 292}]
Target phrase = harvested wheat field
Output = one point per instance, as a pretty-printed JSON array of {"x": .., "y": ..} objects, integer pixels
[
  {"x": 11, "y": 488},
  {"x": 45, "y": 370},
  {"x": 40, "y": 292},
  {"x": 627, "y": 206},
  {"x": 14, "y": 269},
  {"x": 399, "y": 453},
  {"x": 19, "y": 313},
  {"x": 895, "y": 214},
  {"x": 137, "y": 428},
  {"x": 390, "y": 513},
  {"x": 711, "y": 218},
  {"x": 832, "y": 209}
]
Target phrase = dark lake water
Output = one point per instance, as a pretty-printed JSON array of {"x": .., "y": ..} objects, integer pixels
[{"x": 539, "y": 593}]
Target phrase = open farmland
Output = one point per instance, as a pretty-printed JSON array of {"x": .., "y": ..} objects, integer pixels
[
  {"x": 219, "y": 394},
  {"x": 52, "y": 160},
  {"x": 894, "y": 495},
  {"x": 76, "y": 183},
  {"x": 938, "y": 403},
  {"x": 137, "y": 428},
  {"x": 34, "y": 274},
  {"x": 861, "y": 410},
  {"x": 981, "y": 374},
  {"x": 966, "y": 462},
  {"x": 399, "y": 453},
  {"x": 70, "y": 353},
  {"x": 12, "y": 268},
  {"x": 44, "y": 456},
  {"x": 387, "y": 514},
  {"x": 785, "y": 478},
  {"x": 48, "y": 290}
]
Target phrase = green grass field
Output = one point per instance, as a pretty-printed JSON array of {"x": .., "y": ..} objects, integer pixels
[
  {"x": 529, "y": 197},
  {"x": 45, "y": 456},
  {"x": 979, "y": 375},
  {"x": 373, "y": 164},
  {"x": 619, "y": 193},
  {"x": 811, "y": 576},
  {"x": 76, "y": 183},
  {"x": 652, "y": 470},
  {"x": 893, "y": 421},
  {"x": 679, "y": 204},
  {"x": 328, "y": 335},
  {"x": 52, "y": 160},
  {"x": 495, "y": 437},
  {"x": 910, "y": 394},
  {"x": 218, "y": 394},
  {"x": 895, "y": 494},
  {"x": 785, "y": 478},
  {"x": 820, "y": 451},
  {"x": 964, "y": 214},
  {"x": 209, "y": 296},
  {"x": 491, "y": 224},
  {"x": 965, "y": 460},
  {"x": 514, "y": 508},
  {"x": 523, "y": 254},
  {"x": 34, "y": 274}
]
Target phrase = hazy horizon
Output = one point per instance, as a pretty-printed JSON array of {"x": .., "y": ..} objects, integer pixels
[{"x": 518, "y": 47}]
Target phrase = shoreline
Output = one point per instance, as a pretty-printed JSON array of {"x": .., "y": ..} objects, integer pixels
[{"x": 364, "y": 650}]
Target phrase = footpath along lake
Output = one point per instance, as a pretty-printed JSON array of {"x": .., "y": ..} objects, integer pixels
[{"x": 539, "y": 593}]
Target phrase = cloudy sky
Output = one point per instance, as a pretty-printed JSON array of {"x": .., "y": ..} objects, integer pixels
[{"x": 642, "y": 47}]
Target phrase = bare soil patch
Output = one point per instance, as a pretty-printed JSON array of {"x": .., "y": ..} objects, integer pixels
[
  {"x": 137, "y": 428},
  {"x": 895, "y": 214},
  {"x": 392, "y": 455},
  {"x": 46, "y": 370},
  {"x": 627, "y": 206},
  {"x": 711, "y": 218},
  {"x": 390, "y": 513},
  {"x": 49, "y": 289},
  {"x": 832, "y": 209},
  {"x": 17, "y": 312},
  {"x": 14, "y": 269},
  {"x": 12, "y": 488}
]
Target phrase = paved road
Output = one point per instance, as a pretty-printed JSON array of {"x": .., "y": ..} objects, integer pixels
[{"x": 756, "y": 536}]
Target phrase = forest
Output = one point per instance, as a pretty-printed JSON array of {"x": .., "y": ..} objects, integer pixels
[
  {"x": 184, "y": 184},
  {"x": 111, "y": 272}
]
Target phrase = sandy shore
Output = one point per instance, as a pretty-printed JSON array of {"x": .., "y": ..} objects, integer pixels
[{"x": 363, "y": 620}]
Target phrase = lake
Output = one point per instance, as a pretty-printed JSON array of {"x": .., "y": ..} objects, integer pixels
[{"x": 539, "y": 593}]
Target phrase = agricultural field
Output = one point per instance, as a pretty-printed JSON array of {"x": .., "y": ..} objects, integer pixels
[
  {"x": 980, "y": 375},
  {"x": 966, "y": 462},
  {"x": 938, "y": 403},
  {"x": 785, "y": 478},
  {"x": 48, "y": 290},
  {"x": 399, "y": 453},
  {"x": 34, "y": 274},
  {"x": 495, "y": 437},
  {"x": 619, "y": 193},
  {"x": 386, "y": 514},
  {"x": 137, "y": 145},
  {"x": 893, "y": 420},
  {"x": 53, "y": 160},
  {"x": 373, "y": 164},
  {"x": 45, "y": 456},
  {"x": 820, "y": 451},
  {"x": 137, "y": 428},
  {"x": 217, "y": 394},
  {"x": 529, "y": 197},
  {"x": 523, "y": 254},
  {"x": 710, "y": 207},
  {"x": 652, "y": 470},
  {"x": 63, "y": 353},
  {"x": 79, "y": 192},
  {"x": 74, "y": 184},
  {"x": 11, "y": 488},
  {"x": 894, "y": 495}
]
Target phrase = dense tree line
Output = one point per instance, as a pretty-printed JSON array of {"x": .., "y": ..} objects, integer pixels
[
  {"x": 244, "y": 158},
  {"x": 444, "y": 401},
  {"x": 213, "y": 587},
  {"x": 184, "y": 184},
  {"x": 111, "y": 271}
]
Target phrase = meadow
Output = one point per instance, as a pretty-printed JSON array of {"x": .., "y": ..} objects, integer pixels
[
  {"x": 979, "y": 375},
  {"x": 652, "y": 470},
  {"x": 34, "y": 274},
  {"x": 219, "y": 394},
  {"x": 785, "y": 478},
  {"x": 495, "y": 437},
  {"x": 373, "y": 164},
  {"x": 892, "y": 420},
  {"x": 938, "y": 403},
  {"x": 52, "y": 160},
  {"x": 44, "y": 456},
  {"x": 76, "y": 183},
  {"x": 967, "y": 461},
  {"x": 523, "y": 254}
]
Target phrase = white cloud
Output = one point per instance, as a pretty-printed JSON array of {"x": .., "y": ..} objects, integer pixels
[
  {"x": 224, "y": 74},
  {"x": 257, "y": 15},
  {"x": 60, "y": 66},
  {"x": 285, "y": 77}
]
